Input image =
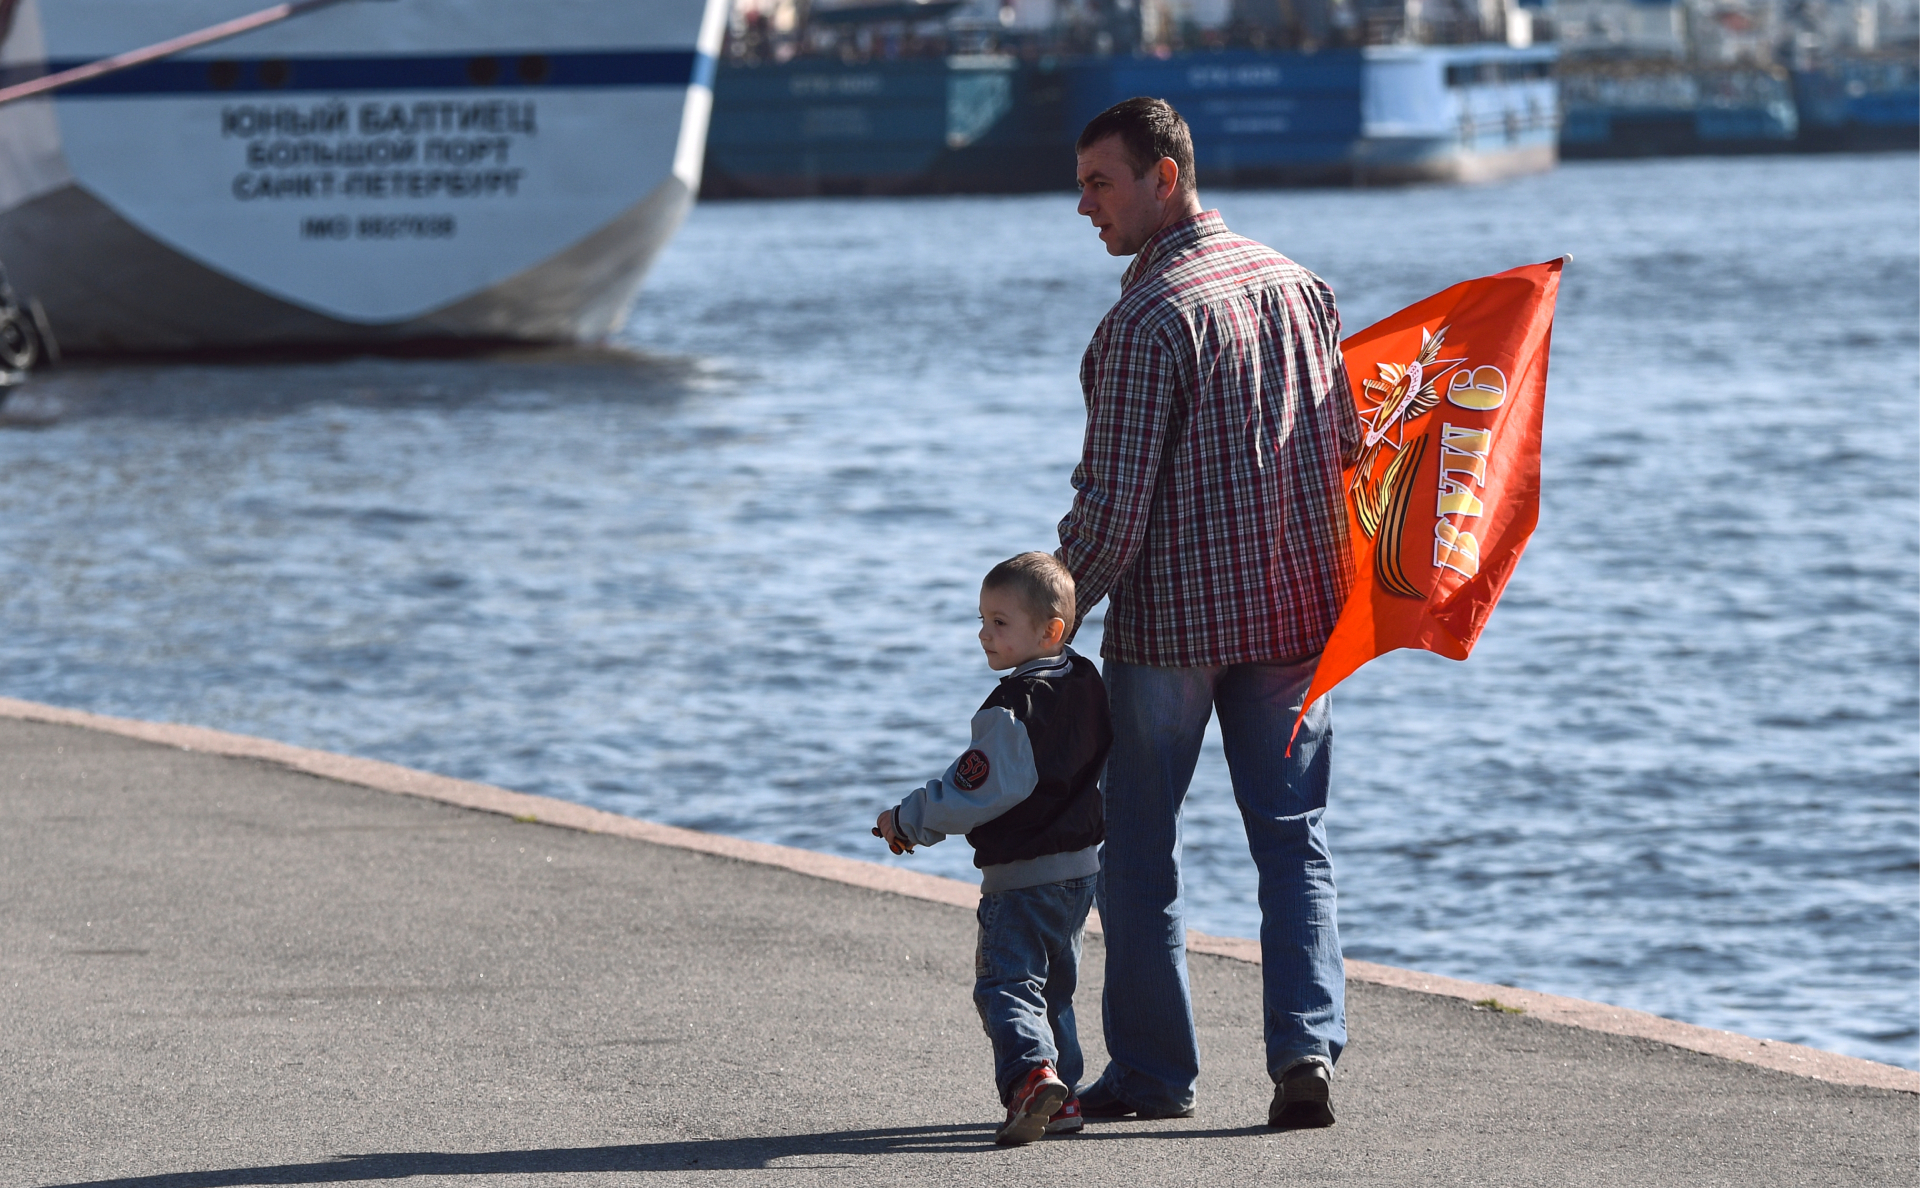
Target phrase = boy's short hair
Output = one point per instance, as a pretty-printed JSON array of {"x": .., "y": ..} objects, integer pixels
[
  {"x": 1043, "y": 585},
  {"x": 1149, "y": 129}
]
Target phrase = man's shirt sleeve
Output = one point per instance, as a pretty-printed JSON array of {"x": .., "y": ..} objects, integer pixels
[
  {"x": 1133, "y": 390},
  {"x": 996, "y": 772}
]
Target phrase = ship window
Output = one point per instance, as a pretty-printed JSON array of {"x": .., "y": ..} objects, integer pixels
[
  {"x": 483, "y": 72},
  {"x": 1467, "y": 74},
  {"x": 275, "y": 73},
  {"x": 534, "y": 68},
  {"x": 223, "y": 74}
]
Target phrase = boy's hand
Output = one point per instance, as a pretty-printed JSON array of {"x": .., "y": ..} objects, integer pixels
[{"x": 883, "y": 828}]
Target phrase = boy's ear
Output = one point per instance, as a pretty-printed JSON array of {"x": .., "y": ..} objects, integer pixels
[{"x": 1056, "y": 631}]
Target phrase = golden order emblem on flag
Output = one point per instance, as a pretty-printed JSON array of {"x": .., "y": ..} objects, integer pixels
[{"x": 1446, "y": 489}]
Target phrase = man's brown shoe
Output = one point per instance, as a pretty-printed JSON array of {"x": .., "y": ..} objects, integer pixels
[{"x": 1301, "y": 1101}]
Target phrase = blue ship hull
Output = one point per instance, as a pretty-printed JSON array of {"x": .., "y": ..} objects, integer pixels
[
  {"x": 1863, "y": 103},
  {"x": 1677, "y": 112},
  {"x": 916, "y": 125},
  {"x": 1256, "y": 118}
]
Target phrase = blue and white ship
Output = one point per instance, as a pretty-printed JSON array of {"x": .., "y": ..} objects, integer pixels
[
  {"x": 994, "y": 123},
  {"x": 375, "y": 172},
  {"x": 918, "y": 96}
]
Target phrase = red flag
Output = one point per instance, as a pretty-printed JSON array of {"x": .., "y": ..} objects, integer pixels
[{"x": 1447, "y": 487}]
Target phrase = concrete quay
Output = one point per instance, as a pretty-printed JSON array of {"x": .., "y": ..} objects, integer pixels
[{"x": 218, "y": 967}]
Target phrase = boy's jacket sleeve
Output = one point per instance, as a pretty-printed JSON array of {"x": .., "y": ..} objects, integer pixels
[{"x": 996, "y": 773}]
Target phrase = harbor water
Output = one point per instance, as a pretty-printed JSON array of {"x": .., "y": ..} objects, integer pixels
[{"x": 727, "y": 579}]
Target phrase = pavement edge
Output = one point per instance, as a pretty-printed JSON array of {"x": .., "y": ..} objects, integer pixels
[{"x": 546, "y": 810}]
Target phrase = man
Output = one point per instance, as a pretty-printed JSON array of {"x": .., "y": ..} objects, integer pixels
[{"x": 1208, "y": 508}]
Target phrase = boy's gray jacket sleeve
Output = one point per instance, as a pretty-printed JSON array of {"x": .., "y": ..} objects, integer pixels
[{"x": 996, "y": 773}]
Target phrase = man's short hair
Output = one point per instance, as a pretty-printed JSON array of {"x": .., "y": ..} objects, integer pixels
[
  {"x": 1043, "y": 585},
  {"x": 1149, "y": 129}
]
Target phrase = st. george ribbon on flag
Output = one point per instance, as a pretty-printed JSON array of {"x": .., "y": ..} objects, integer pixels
[{"x": 1446, "y": 489}]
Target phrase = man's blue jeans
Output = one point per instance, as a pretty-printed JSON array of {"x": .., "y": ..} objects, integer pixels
[
  {"x": 1159, "y": 720},
  {"x": 1025, "y": 971}
]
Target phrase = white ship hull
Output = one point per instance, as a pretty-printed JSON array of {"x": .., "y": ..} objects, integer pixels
[
  {"x": 380, "y": 171},
  {"x": 1456, "y": 113}
]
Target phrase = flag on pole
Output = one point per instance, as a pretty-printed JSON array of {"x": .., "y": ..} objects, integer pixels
[{"x": 1446, "y": 490}]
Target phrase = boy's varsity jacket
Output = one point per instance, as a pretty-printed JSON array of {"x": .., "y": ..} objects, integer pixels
[{"x": 1027, "y": 791}]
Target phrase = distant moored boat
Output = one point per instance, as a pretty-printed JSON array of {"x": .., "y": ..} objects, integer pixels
[{"x": 380, "y": 171}]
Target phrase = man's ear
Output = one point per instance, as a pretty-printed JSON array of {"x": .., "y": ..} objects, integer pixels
[{"x": 1168, "y": 179}]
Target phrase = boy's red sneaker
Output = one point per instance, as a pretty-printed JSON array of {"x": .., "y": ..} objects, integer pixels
[
  {"x": 1034, "y": 1103},
  {"x": 1067, "y": 1117}
]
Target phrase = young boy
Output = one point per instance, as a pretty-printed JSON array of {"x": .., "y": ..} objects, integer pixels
[{"x": 1027, "y": 795}]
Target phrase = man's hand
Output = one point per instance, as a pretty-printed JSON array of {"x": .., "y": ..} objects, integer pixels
[{"x": 883, "y": 828}]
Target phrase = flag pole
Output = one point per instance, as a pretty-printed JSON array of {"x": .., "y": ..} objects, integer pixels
[{"x": 163, "y": 49}]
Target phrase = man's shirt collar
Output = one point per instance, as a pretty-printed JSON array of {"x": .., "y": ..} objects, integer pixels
[{"x": 1169, "y": 240}]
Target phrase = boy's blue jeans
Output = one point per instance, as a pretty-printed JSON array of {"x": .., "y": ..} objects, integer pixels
[
  {"x": 1025, "y": 969},
  {"x": 1159, "y": 720}
]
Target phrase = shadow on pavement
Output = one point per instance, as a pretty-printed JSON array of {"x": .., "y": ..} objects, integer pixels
[{"x": 719, "y": 1154}]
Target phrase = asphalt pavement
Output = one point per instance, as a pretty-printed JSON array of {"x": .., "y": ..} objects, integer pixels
[{"x": 218, "y": 971}]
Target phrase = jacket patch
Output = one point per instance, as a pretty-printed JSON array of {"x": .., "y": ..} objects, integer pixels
[{"x": 971, "y": 771}]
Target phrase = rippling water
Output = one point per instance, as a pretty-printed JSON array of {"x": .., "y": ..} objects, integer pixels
[{"x": 728, "y": 581}]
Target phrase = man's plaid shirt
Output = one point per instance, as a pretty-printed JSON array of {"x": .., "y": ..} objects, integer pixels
[{"x": 1208, "y": 498}]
